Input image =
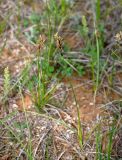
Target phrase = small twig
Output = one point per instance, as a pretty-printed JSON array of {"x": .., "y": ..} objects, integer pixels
[
  {"x": 21, "y": 153},
  {"x": 61, "y": 154},
  {"x": 41, "y": 139},
  {"x": 68, "y": 143}
]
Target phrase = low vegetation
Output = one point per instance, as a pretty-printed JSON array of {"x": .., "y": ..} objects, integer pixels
[{"x": 61, "y": 80}]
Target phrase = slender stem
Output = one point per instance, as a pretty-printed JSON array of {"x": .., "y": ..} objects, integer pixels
[
  {"x": 98, "y": 12},
  {"x": 98, "y": 67},
  {"x": 80, "y": 132}
]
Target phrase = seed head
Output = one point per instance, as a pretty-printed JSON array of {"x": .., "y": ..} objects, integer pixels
[
  {"x": 59, "y": 41},
  {"x": 41, "y": 41}
]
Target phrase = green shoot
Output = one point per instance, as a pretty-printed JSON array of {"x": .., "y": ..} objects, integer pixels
[
  {"x": 98, "y": 10},
  {"x": 112, "y": 131},
  {"x": 80, "y": 131},
  {"x": 99, "y": 144}
]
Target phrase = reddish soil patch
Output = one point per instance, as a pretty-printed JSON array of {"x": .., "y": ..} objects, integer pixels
[
  {"x": 85, "y": 99},
  {"x": 73, "y": 41},
  {"x": 24, "y": 103}
]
